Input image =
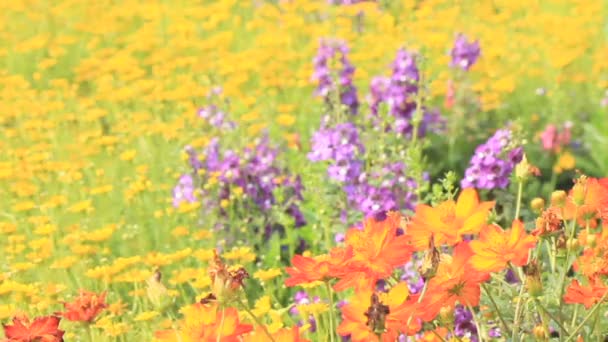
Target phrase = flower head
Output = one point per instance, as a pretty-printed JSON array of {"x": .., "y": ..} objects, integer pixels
[
  {"x": 385, "y": 314},
  {"x": 85, "y": 307},
  {"x": 464, "y": 53},
  {"x": 42, "y": 329},
  {"x": 206, "y": 323},
  {"x": 448, "y": 221},
  {"x": 496, "y": 248},
  {"x": 377, "y": 250},
  {"x": 493, "y": 162}
]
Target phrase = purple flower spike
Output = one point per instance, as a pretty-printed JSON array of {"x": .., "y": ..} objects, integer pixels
[
  {"x": 493, "y": 162},
  {"x": 330, "y": 52},
  {"x": 464, "y": 53}
]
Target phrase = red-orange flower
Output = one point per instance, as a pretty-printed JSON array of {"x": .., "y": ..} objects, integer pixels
[
  {"x": 42, "y": 329},
  {"x": 449, "y": 220},
  {"x": 206, "y": 323},
  {"x": 85, "y": 307},
  {"x": 376, "y": 251},
  {"x": 587, "y": 295},
  {"x": 455, "y": 281},
  {"x": 496, "y": 248},
  {"x": 385, "y": 313},
  {"x": 306, "y": 270}
]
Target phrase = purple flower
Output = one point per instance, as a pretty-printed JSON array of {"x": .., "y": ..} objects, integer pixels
[
  {"x": 331, "y": 51},
  {"x": 493, "y": 162},
  {"x": 464, "y": 53},
  {"x": 338, "y": 143},
  {"x": 184, "y": 190},
  {"x": 463, "y": 323},
  {"x": 399, "y": 92},
  {"x": 215, "y": 117}
]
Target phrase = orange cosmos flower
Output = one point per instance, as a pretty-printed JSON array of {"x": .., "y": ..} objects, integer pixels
[
  {"x": 449, "y": 220},
  {"x": 587, "y": 295},
  {"x": 370, "y": 314},
  {"x": 589, "y": 200},
  {"x": 85, "y": 307},
  {"x": 42, "y": 329},
  {"x": 284, "y": 335},
  {"x": 594, "y": 259},
  {"x": 319, "y": 268},
  {"x": 496, "y": 248},
  {"x": 206, "y": 323},
  {"x": 376, "y": 251},
  {"x": 455, "y": 281}
]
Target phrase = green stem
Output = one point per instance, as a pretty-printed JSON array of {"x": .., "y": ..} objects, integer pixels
[
  {"x": 574, "y": 316},
  {"x": 422, "y": 293},
  {"x": 555, "y": 319},
  {"x": 332, "y": 315},
  {"x": 219, "y": 334},
  {"x": 543, "y": 316},
  {"x": 518, "y": 309},
  {"x": 580, "y": 326},
  {"x": 564, "y": 275},
  {"x": 479, "y": 331},
  {"x": 520, "y": 189},
  {"x": 505, "y": 326},
  {"x": 256, "y": 320}
]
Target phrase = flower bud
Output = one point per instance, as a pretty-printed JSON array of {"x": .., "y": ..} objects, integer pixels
[
  {"x": 539, "y": 333},
  {"x": 579, "y": 191},
  {"x": 533, "y": 282},
  {"x": 523, "y": 170},
  {"x": 446, "y": 314},
  {"x": 537, "y": 205},
  {"x": 572, "y": 244},
  {"x": 430, "y": 261},
  {"x": 558, "y": 198}
]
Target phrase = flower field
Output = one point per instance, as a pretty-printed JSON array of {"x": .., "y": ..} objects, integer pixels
[{"x": 303, "y": 170}]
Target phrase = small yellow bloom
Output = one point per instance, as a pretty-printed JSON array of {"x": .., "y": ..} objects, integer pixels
[
  {"x": 128, "y": 155},
  {"x": 286, "y": 120},
  {"x": 146, "y": 316},
  {"x": 265, "y": 275}
]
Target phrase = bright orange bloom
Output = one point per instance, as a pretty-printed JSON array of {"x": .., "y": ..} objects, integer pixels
[
  {"x": 594, "y": 193},
  {"x": 322, "y": 267},
  {"x": 455, "y": 281},
  {"x": 286, "y": 334},
  {"x": 387, "y": 313},
  {"x": 206, "y": 323},
  {"x": 449, "y": 220},
  {"x": 587, "y": 295},
  {"x": 42, "y": 329},
  {"x": 593, "y": 261},
  {"x": 85, "y": 307},
  {"x": 496, "y": 248},
  {"x": 376, "y": 251}
]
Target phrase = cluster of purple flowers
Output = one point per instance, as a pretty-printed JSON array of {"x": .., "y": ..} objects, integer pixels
[
  {"x": 254, "y": 171},
  {"x": 216, "y": 117},
  {"x": 330, "y": 53},
  {"x": 399, "y": 92},
  {"x": 493, "y": 162},
  {"x": 340, "y": 145},
  {"x": 464, "y": 53}
]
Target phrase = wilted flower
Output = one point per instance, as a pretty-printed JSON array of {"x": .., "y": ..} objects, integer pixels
[{"x": 85, "y": 307}]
